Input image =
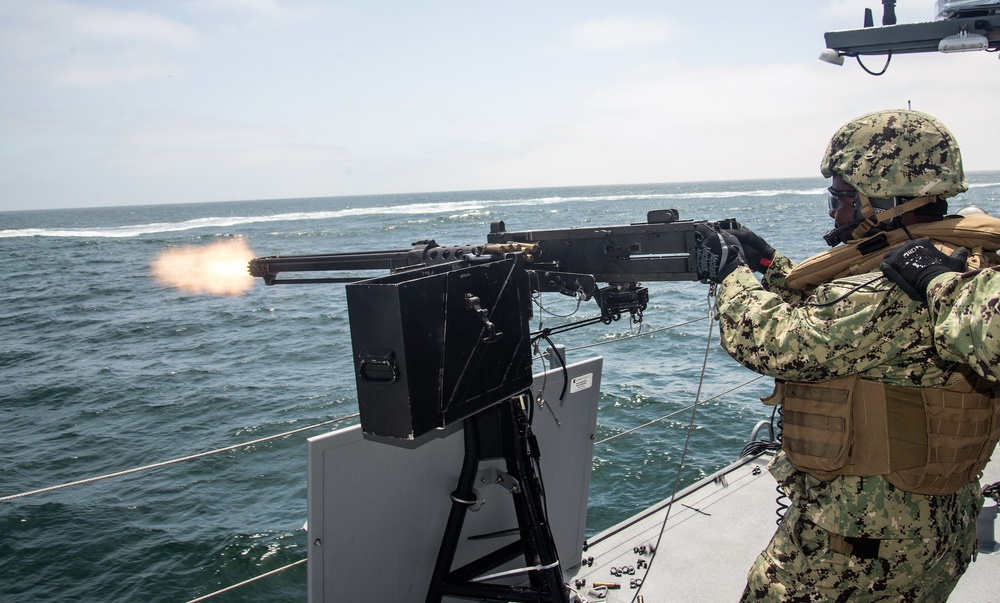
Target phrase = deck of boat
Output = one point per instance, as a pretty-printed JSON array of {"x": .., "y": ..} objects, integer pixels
[{"x": 714, "y": 531}]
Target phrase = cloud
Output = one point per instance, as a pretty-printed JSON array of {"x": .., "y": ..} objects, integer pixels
[
  {"x": 87, "y": 45},
  {"x": 669, "y": 122},
  {"x": 199, "y": 159},
  {"x": 616, "y": 34},
  {"x": 101, "y": 24},
  {"x": 260, "y": 105},
  {"x": 672, "y": 122},
  {"x": 263, "y": 7}
]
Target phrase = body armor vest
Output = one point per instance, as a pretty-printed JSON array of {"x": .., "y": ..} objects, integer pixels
[{"x": 923, "y": 440}]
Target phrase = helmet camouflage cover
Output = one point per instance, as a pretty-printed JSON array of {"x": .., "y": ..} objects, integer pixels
[{"x": 896, "y": 153}]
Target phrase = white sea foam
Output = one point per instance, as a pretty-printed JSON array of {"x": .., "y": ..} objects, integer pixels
[{"x": 470, "y": 207}]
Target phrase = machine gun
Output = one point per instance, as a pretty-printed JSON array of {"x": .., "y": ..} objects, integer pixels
[
  {"x": 569, "y": 261},
  {"x": 444, "y": 337}
]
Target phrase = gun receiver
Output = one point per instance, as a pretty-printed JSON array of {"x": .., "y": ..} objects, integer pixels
[{"x": 661, "y": 249}]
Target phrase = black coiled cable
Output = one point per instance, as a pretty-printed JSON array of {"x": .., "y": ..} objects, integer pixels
[
  {"x": 782, "y": 501},
  {"x": 760, "y": 446}
]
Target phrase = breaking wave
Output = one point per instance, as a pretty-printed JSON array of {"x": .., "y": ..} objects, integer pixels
[{"x": 450, "y": 208}]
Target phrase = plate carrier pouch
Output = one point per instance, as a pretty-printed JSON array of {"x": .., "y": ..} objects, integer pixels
[{"x": 923, "y": 440}]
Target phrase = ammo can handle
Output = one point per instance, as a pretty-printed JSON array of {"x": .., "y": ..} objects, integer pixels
[{"x": 373, "y": 367}]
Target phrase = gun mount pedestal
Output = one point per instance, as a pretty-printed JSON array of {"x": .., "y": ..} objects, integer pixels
[{"x": 501, "y": 432}]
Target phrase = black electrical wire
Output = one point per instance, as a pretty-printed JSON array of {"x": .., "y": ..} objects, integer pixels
[{"x": 869, "y": 71}]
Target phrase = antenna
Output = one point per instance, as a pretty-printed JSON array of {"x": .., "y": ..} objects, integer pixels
[{"x": 888, "y": 12}]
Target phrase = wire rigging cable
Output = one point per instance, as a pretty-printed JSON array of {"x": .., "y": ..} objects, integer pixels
[
  {"x": 687, "y": 438},
  {"x": 634, "y": 335},
  {"x": 678, "y": 411},
  {"x": 247, "y": 581},
  {"x": 174, "y": 461}
]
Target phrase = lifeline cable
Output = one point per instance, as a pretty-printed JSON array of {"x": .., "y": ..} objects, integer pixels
[
  {"x": 687, "y": 439},
  {"x": 173, "y": 461},
  {"x": 677, "y": 412},
  {"x": 248, "y": 581},
  {"x": 634, "y": 335}
]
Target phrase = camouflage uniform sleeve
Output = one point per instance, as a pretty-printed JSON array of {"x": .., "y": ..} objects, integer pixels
[
  {"x": 965, "y": 313},
  {"x": 861, "y": 324},
  {"x": 774, "y": 279}
]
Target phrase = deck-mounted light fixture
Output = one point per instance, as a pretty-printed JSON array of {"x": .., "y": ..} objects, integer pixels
[
  {"x": 831, "y": 56},
  {"x": 964, "y": 42}
]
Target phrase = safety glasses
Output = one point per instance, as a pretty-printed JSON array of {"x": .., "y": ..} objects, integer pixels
[{"x": 836, "y": 197}]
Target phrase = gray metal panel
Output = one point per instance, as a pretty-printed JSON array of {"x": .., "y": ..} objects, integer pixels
[
  {"x": 912, "y": 37},
  {"x": 377, "y": 508}
]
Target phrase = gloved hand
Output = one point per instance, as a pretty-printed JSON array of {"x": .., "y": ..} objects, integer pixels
[
  {"x": 717, "y": 253},
  {"x": 756, "y": 250},
  {"x": 914, "y": 265}
]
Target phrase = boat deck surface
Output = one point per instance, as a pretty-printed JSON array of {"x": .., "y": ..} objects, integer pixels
[{"x": 714, "y": 531}]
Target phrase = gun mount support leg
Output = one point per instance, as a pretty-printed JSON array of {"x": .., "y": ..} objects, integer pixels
[{"x": 501, "y": 431}]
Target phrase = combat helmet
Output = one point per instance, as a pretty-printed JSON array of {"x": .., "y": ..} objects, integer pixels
[{"x": 898, "y": 160}]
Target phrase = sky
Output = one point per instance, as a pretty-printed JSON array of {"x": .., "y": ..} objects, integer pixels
[{"x": 137, "y": 102}]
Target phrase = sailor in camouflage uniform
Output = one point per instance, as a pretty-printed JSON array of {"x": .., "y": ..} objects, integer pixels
[
  {"x": 884, "y": 438},
  {"x": 964, "y": 307}
]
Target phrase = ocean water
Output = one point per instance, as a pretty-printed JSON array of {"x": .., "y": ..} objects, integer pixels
[{"x": 102, "y": 370}]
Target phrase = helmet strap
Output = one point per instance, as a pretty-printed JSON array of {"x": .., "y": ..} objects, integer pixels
[
  {"x": 832, "y": 238},
  {"x": 870, "y": 218}
]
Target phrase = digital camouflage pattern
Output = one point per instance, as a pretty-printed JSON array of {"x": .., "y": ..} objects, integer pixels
[
  {"x": 876, "y": 331},
  {"x": 896, "y": 153},
  {"x": 965, "y": 312},
  {"x": 806, "y": 561},
  {"x": 862, "y": 325}
]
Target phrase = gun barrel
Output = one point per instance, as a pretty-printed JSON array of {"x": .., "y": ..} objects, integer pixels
[
  {"x": 422, "y": 252},
  {"x": 367, "y": 260}
]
